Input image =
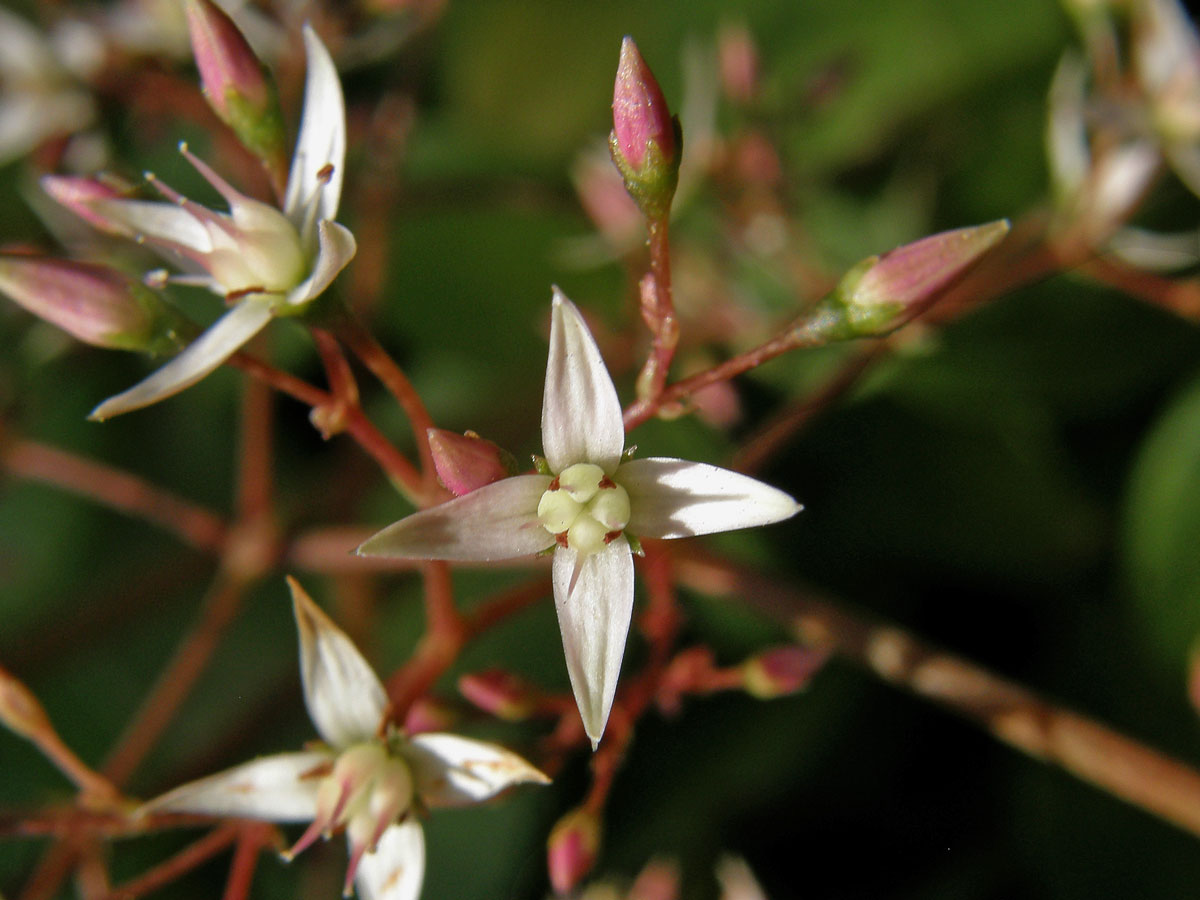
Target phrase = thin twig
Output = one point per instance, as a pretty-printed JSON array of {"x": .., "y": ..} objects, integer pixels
[
  {"x": 372, "y": 354},
  {"x": 183, "y": 861},
  {"x": 1092, "y": 752},
  {"x": 187, "y": 664},
  {"x": 117, "y": 489}
]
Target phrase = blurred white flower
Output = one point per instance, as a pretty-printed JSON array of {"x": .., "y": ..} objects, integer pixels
[{"x": 366, "y": 779}]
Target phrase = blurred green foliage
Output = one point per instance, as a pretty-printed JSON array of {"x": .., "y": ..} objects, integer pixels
[{"x": 1021, "y": 486}]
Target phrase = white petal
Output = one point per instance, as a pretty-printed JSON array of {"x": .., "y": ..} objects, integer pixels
[
  {"x": 167, "y": 223},
  {"x": 397, "y": 867},
  {"x": 344, "y": 697},
  {"x": 673, "y": 498},
  {"x": 272, "y": 788},
  {"x": 454, "y": 771},
  {"x": 581, "y": 415},
  {"x": 497, "y": 521},
  {"x": 594, "y": 602},
  {"x": 322, "y": 141},
  {"x": 224, "y": 338},
  {"x": 335, "y": 248}
]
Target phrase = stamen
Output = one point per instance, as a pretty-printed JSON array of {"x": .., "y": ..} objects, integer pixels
[
  {"x": 554, "y": 485},
  {"x": 314, "y": 831},
  {"x": 356, "y": 855},
  {"x": 231, "y": 194},
  {"x": 325, "y": 173},
  {"x": 606, "y": 483},
  {"x": 201, "y": 214},
  {"x": 561, "y": 540}
]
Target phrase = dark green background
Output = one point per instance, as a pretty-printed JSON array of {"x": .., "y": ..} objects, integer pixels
[{"x": 1020, "y": 487}]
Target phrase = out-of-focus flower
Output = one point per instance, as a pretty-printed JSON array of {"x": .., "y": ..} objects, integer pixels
[
  {"x": 267, "y": 262},
  {"x": 585, "y": 506},
  {"x": 367, "y": 778},
  {"x": 94, "y": 303},
  {"x": 39, "y": 98}
]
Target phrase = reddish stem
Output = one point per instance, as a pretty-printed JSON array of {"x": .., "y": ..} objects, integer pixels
[
  {"x": 806, "y": 333},
  {"x": 402, "y": 472},
  {"x": 1090, "y": 751},
  {"x": 364, "y": 345},
  {"x": 183, "y": 861},
  {"x": 175, "y": 683},
  {"x": 198, "y": 527},
  {"x": 252, "y": 839}
]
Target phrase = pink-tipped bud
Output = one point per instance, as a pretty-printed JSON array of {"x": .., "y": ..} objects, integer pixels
[
  {"x": 80, "y": 195},
  {"x": 20, "y": 711},
  {"x": 658, "y": 880},
  {"x": 645, "y": 140},
  {"x": 427, "y": 714},
  {"x": 237, "y": 86},
  {"x": 881, "y": 293},
  {"x": 571, "y": 849},
  {"x": 781, "y": 671},
  {"x": 465, "y": 462},
  {"x": 500, "y": 693},
  {"x": 737, "y": 58},
  {"x": 91, "y": 302}
]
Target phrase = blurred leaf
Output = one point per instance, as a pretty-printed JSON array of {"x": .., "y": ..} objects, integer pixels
[{"x": 1162, "y": 532}]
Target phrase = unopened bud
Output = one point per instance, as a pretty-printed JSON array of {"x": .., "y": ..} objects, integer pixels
[
  {"x": 881, "y": 293},
  {"x": 658, "y": 880},
  {"x": 500, "y": 693},
  {"x": 237, "y": 86},
  {"x": 645, "y": 139},
  {"x": 781, "y": 671},
  {"x": 571, "y": 849},
  {"x": 427, "y": 714},
  {"x": 19, "y": 709},
  {"x": 465, "y": 462},
  {"x": 93, "y": 303},
  {"x": 737, "y": 57}
]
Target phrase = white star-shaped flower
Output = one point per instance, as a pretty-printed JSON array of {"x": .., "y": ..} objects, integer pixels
[
  {"x": 366, "y": 778},
  {"x": 583, "y": 509},
  {"x": 266, "y": 261}
]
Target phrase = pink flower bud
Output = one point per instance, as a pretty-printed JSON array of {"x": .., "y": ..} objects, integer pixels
[
  {"x": 465, "y": 462},
  {"x": 658, "y": 880},
  {"x": 20, "y": 709},
  {"x": 781, "y": 670},
  {"x": 883, "y": 292},
  {"x": 427, "y": 714},
  {"x": 645, "y": 137},
  {"x": 737, "y": 57},
  {"x": 500, "y": 693},
  {"x": 94, "y": 303},
  {"x": 571, "y": 849},
  {"x": 238, "y": 88}
]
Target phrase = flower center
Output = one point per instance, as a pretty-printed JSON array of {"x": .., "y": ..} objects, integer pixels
[
  {"x": 366, "y": 790},
  {"x": 584, "y": 508}
]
